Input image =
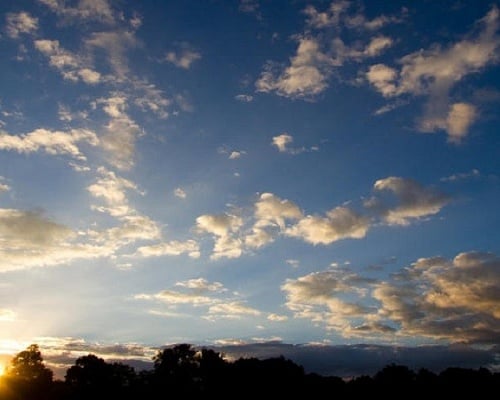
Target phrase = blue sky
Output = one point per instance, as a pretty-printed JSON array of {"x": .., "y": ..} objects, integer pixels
[{"x": 243, "y": 173}]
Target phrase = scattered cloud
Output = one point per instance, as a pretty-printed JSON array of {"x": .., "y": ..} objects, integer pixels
[
  {"x": 210, "y": 297},
  {"x": 339, "y": 223},
  {"x": 20, "y": 23},
  {"x": 112, "y": 190},
  {"x": 172, "y": 248},
  {"x": 180, "y": 193},
  {"x": 273, "y": 216},
  {"x": 414, "y": 201},
  {"x": 52, "y": 142},
  {"x": 319, "y": 55},
  {"x": 282, "y": 141},
  {"x": 245, "y": 98},
  {"x": 474, "y": 173},
  {"x": 183, "y": 58},
  {"x": 434, "y": 72},
  {"x": 277, "y": 318},
  {"x": 98, "y": 10}
]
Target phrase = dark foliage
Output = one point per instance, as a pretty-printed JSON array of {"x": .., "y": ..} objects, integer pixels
[{"x": 183, "y": 370}]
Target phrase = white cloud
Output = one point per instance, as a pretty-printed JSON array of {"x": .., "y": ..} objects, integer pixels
[
  {"x": 180, "y": 193},
  {"x": 435, "y": 71},
  {"x": 115, "y": 44},
  {"x": 149, "y": 97},
  {"x": 474, "y": 173},
  {"x": 52, "y": 142},
  {"x": 202, "y": 285},
  {"x": 121, "y": 132},
  {"x": 246, "y": 98},
  {"x": 235, "y": 154},
  {"x": 318, "y": 54},
  {"x": 232, "y": 309},
  {"x": 111, "y": 188},
  {"x": 305, "y": 77},
  {"x": 89, "y": 76},
  {"x": 414, "y": 200},
  {"x": 172, "y": 248},
  {"x": 282, "y": 141},
  {"x": 184, "y": 58},
  {"x": 99, "y": 10},
  {"x": 270, "y": 210},
  {"x": 277, "y": 317},
  {"x": 340, "y": 223},
  {"x": 18, "y": 23},
  {"x": 71, "y": 66},
  {"x": 219, "y": 225}
]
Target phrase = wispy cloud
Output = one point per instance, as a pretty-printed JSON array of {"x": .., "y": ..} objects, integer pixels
[{"x": 184, "y": 57}]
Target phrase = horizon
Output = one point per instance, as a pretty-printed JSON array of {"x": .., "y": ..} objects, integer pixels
[{"x": 252, "y": 176}]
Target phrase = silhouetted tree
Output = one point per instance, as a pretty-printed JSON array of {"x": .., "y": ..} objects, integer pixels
[
  {"x": 27, "y": 375},
  {"x": 92, "y": 375},
  {"x": 175, "y": 367}
]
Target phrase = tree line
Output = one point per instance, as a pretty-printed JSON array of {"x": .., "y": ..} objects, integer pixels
[{"x": 183, "y": 370}]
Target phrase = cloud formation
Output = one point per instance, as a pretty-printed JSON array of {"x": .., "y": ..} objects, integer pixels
[
  {"x": 20, "y": 23},
  {"x": 319, "y": 53},
  {"x": 184, "y": 58},
  {"x": 434, "y": 72},
  {"x": 435, "y": 298},
  {"x": 52, "y": 142}
]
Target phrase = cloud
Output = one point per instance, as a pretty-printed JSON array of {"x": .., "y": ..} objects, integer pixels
[
  {"x": 115, "y": 44},
  {"x": 319, "y": 55},
  {"x": 120, "y": 132},
  {"x": 52, "y": 142},
  {"x": 180, "y": 193},
  {"x": 202, "y": 285},
  {"x": 231, "y": 310},
  {"x": 183, "y": 58},
  {"x": 208, "y": 297},
  {"x": 434, "y": 72},
  {"x": 30, "y": 239},
  {"x": 305, "y": 77},
  {"x": 150, "y": 98},
  {"x": 3, "y": 186},
  {"x": 172, "y": 248},
  {"x": 99, "y": 10},
  {"x": 272, "y": 217},
  {"x": 277, "y": 318},
  {"x": 474, "y": 173},
  {"x": 19, "y": 23},
  {"x": 457, "y": 299},
  {"x": 112, "y": 190},
  {"x": 415, "y": 201},
  {"x": 219, "y": 225},
  {"x": 349, "y": 361},
  {"x": 249, "y": 6},
  {"x": 235, "y": 155},
  {"x": 340, "y": 223},
  {"x": 245, "y": 98},
  {"x": 71, "y": 66},
  {"x": 282, "y": 141}
]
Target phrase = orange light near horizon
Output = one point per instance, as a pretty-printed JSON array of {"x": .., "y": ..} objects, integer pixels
[{"x": 2, "y": 369}]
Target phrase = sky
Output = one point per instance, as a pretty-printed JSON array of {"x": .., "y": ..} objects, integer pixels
[{"x": 308, "y": 178}]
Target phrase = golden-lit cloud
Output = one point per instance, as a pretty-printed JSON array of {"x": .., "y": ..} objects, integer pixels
[
  {"x": 339, "y": 223},
  {"x": 414, "y": 200}
]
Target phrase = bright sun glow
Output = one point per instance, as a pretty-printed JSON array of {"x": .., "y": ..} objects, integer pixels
[{"x": 2, "y": 369}]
